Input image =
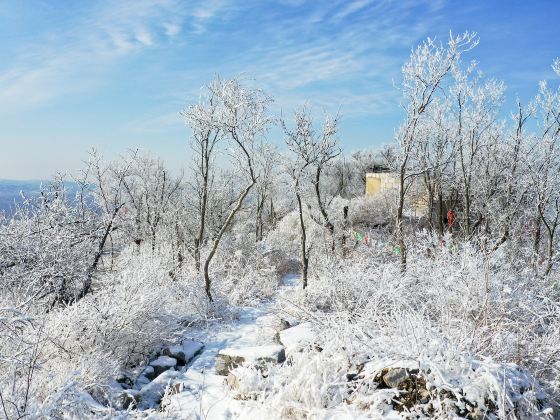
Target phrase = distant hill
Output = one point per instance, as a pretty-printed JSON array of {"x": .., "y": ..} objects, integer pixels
[{"x": 10, "y": 192}]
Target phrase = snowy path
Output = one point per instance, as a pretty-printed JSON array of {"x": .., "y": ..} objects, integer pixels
[{"x": 205, "y": 394}]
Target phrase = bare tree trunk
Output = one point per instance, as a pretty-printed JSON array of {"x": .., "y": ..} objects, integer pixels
[
  {"x": 93, "y": 267},
  {"x": 537, "y": 241},
  {"x": 399, "y": 220},
  {"x": 550, "y": 253},
  {"x": 431, "y": 209},
  {"x": 440, "y": 212},
  {"x": 345, "y": 232},
  {"x": 207, "y": 280},
  {"x": 180, "y": 256},
  {"x": 467, "y": 210},
  {"x": 303, "y": 241},
  {"x": 272, "y": 215},
  {"x": 200, "y": 237},
  {"x": 322, "y": 209},
  {"x": 259, "y": 217},
  {"x": 551, "y": 230}
]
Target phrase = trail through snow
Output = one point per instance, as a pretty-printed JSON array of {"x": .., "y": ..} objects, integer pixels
[{"x": 205, "y": 395}]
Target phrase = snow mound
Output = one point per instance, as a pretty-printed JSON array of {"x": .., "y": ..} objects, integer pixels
[{"x": 298, "y": 337}]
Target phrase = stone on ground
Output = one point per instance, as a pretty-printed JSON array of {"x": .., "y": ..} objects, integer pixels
[
  {"x": 127, "y": 399},
  {"x": 175, "y": 352},
  {"x": 141, "y": 381},
  {"x": 191, "y": 348},
  {"x": 270, "y": 326},
  {"x": 149, "y": 372},
  {"x": 228, "y": 359},
  {"x": 184, "y": 352},
  {"x": 151, "y": 394},
  {"x": 163, "y": 363}
]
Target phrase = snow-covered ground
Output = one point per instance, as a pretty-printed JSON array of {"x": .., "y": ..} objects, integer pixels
[{"x": 204, "y": 394}]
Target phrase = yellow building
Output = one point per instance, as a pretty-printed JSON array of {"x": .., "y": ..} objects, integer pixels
[
  {"x": 385, "y": 183},
  {"x": 379, "y": 182}
]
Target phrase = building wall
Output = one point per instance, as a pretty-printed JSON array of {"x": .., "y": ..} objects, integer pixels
[{"x": 383, "y": 182}]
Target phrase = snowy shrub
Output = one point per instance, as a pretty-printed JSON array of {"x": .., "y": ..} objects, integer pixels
[
  {"x": 286, "y": 237},
  {"x": 47, "y": 248},
  {"x": 138, "y": 309},
  {"x": 372, "y": 211},
  {"x": 470, "y": 335},
  {"x": 244, "y": 274}
]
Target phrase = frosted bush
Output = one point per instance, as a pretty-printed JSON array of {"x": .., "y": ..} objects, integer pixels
[
  {"x": 372, "y": 211},
  {"x": 478, "y": 334},
  {"x": 137, "y": 310},
  {"x": 245, "y": 276}
]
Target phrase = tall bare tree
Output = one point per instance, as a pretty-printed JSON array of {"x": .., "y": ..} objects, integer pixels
[
  {"x": 311, "y": 152},
  {"x": 424, "y": 75},
  {"x": 237, "y": 116}
]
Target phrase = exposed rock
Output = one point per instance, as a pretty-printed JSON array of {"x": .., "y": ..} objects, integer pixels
[
  {"x": 149, "y": 372},
  {"x": 141, "y": 381},
  {"x": 163, "y": 363},
  {"x": 227, "y": 359},
  {"x": 396, "y": 377},
  {"x": 298, "y": 337},
  {"x": 225, "y": 363},
  {"x": 124, "y": 381},
  {"x": 177, "y": 353},
  {"x": 191, "y": 348},
  {"x": 152, "y": 393},
  {"x": 270, "y": 326},
  {"x": 424, "y": 395},
  {"x": 184, "y": 352},
  {"x": 127, "y": 399}
]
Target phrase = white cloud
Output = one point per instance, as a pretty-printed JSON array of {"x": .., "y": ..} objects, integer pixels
[
  {"x": 144, "y": 37},
  {"x": 172, "y": 29},
  {"x": 299, "y": 55},
  {"x": 207, "y": 9},
  {"x": 352, "y": 7},
  {"x": 353, "y": 67},
  {"x": 60, "y": 59}
]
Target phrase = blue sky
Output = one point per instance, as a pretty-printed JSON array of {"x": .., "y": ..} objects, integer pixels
[{"x": 115, "y": 74}]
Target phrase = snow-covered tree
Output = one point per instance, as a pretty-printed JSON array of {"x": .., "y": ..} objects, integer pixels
[{"x": 424, "y": 76}]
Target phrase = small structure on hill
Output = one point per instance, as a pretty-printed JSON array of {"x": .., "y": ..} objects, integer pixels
[{"x": 382, "y": 181}]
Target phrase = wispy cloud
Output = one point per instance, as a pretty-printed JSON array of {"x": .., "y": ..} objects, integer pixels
[
  {"x": 172, "y": 29},
  {"x": 332, "y": 64},
  {"x": 352, "y": 7},
  {"x": 68, "y": 56},
  {"x": 339, "y": 45}
]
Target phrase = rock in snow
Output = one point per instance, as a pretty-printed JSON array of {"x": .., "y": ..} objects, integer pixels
[
  {"x": 184, "y": 352},
  {"x": 176, "y": 352},
  {"x": 395, "y": 377},
  {"x": 141, "y": 381},
  {"x": 163, "y": 363},
  {"x": 227, "y": 359},
  {"x": 296, "y": 338},
  {"x": 149, "y": 372},
  {"x": 150, "y": 395},
  {"x": 126, "y": 399},
  {"x": 191, "y": 349}
]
